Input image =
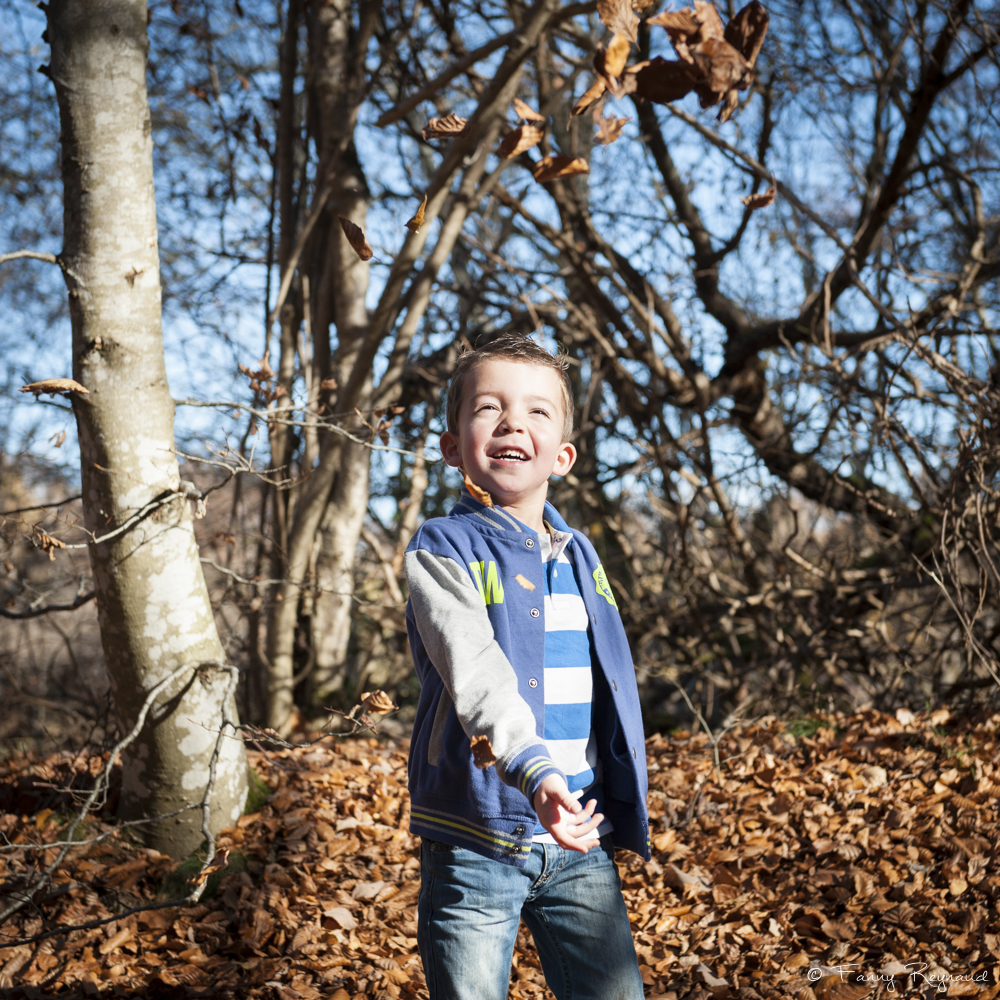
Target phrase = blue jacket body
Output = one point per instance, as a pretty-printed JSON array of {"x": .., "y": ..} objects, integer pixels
[{"x": 476, "y": 624}]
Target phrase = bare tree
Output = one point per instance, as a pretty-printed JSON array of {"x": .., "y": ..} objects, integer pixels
[{"x": 154, "y": 610}]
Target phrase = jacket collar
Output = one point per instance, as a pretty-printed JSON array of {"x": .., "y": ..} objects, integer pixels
[{"x": 497, "y": 517}]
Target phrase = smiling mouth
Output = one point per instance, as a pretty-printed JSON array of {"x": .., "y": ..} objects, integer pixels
[{"x": 510, "y": 455}]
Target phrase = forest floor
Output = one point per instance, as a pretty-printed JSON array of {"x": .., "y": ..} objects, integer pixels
[{"x": 867, "y": 842}]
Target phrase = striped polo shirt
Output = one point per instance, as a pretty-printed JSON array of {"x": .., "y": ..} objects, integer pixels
[{"x": 569, "y": 683}]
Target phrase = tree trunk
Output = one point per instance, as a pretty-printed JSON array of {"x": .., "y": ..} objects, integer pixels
[{"x": 154, "y": 610}]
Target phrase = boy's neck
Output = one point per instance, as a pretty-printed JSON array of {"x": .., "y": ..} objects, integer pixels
[{"x": 530, "y": 513}]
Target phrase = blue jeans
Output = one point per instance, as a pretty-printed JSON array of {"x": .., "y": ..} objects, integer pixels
[{"x": 470, "y": 908}]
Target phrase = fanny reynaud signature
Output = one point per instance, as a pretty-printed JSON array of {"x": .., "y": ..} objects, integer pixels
[{"x": 936, "y": 976}]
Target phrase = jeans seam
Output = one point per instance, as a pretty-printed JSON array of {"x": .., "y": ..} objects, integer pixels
[
  {"x": 557, "y": 948},
  {"x": 430, "y": 980}
]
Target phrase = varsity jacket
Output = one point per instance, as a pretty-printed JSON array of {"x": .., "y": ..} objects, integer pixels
[{"x": 476, "y": 624}]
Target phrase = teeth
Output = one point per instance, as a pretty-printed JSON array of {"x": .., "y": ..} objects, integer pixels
[{"x": 510, "y": 454}]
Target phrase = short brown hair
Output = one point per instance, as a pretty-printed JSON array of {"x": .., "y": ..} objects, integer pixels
[{"x": 509, "y": 347}]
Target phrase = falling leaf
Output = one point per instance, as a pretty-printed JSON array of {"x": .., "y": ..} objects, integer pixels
[
  {"x": 746, "y": 31},
  {"x": 525, "y": 111},
  {"x": 524, "y": 582},
  {"x": 54, "y": 386},
  {"x": 592, "y": 93},
  {"x": 609, "y": 129},
  {"x": 482, "y": 752},
  {"x": 264, "y": 371},
  {"x": 480, "y": 494},
  {"x": 328, "y": 384},
  {"x": 217, "y": 864},
  {"x": 551, "y": 168},
  {"x": 761, "y": 199},
  {"x": 721, "y": 67},
  {"x": 445, "y": 128},
  {"x": 377, "y": 701},
  {"x": 244, "y": 81},
  {"x": 616, "y": 55},
  {"x": 663, "y": 81},
  {"x": 519, "y": 140},
  {"x": 58, "y": 439},
  {"x": 356, "y": 237},
  {"x": 418, "y": 219},
  {"x": 49, "y": 544},
  {"x": 619, "y": 17}
]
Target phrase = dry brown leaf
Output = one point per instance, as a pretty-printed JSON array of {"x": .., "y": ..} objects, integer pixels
[
  {"x": 445, "y": 128},
  {"x": 58, "y": 440},
  {"x": 522, "y": 138},
  {"x": 850, "y": 986},
  {"x": 53, "y": 386},
  {"x": 328, "y": 384},
  {"x": 551, "y": 168},
  {"x": 609, "y": 129},
  {"x": 721, "y": 67},
  {"x": 590, "y": 95},
  {"x": 526, "y": 111},
  {"x": 418, "y": 217},
  {"x": 377, "y": 701},
  {"x": 761, "y": 200},
  {"x": 616, "y": 55},
  {"x": 213, "y": 867},
  {"x": 356, "y": 237},
  {"x": 663, "y": 81},
  {"x": 679, "y": 23},
  {"x": 746, "y": 31},
  {"x": 480, "y": 494},
  {"x": 619, "y": 16},
  {"x": 482, "y": 752},
  {"x": 524, "y": 582}
]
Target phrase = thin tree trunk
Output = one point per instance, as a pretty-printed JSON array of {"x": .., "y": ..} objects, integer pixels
[{"x": 154, "y": 609}]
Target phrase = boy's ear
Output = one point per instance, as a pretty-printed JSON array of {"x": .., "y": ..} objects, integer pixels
[
  {"x": 565, "y": 458},
  {"x": 449, "y": 449}
]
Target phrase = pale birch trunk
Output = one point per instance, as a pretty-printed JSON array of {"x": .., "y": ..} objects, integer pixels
[{"x": 154, "y": 609}]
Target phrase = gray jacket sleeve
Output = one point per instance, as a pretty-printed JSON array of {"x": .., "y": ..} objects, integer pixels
[{"x": 455, "y": 629}]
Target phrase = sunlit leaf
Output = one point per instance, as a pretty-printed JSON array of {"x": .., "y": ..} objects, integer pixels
[
  {"x": 445, "y": 128},
  {"x": 592, "y": 93},
  {"x": 519, "y": 140},
  {"x": 417, "y": 221},
  {"x": 609, "y": 129},
  {"x": 356, "y": 237},
  {"x": 761, "y": 200},
  {"x": 746, "y": 31},
  {"x": 551, "y": 168},
  {"x": 54, "y": 387},
  {"x": 619, "y": 16},
  {"x": 525, "y": 111}
]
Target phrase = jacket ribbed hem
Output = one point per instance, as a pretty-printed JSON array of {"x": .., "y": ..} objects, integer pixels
[{"x": 507, "y": 841}]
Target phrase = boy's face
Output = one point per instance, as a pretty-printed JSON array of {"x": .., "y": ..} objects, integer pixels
[{"x": 510, "y": 429}]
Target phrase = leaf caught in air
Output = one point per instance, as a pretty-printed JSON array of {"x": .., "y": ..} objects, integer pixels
[
  {"x": 482, "y": 752},
  {"x": 722, "y": 67},
  {"x": 445, "y": 128},
  {"x": 58, "y": 439},
  {"x": 356, "y": 237},
  {"x": 54, "y": 386},
  {"x": 418, "y": 218},
  {"x": 551, "y": 168},
  {"x": 522, "y": 138},
  {"x": 619, "y": 17},
  {"x": 761, "y": 199},
  {"x": 213, "y": 867},
  {"x": 593, "y": 92},
  {"x": 616, "y": 55},
  {"x": 663, "y": 80},
  {"x": 328, "y": 384},
  {"x": 524, "y": 582},
  {"x": 609, "y": 129},
  {"x": 377, "y": 701},
  {"x": 478, "y": 492},
  {"x": 746, "y": 31},
  {"x": 526, "y": 112}
]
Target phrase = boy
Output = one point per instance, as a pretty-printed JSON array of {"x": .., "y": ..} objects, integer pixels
[{"x": 528, "y": 704}]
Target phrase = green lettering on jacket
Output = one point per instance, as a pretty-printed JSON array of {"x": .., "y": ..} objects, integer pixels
[{"x": 487, "y": 581}]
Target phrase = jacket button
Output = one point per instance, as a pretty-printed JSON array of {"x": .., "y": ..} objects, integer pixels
[
  {"x": 529, "y": 542},
  {"x": 532, "y": 683},
  {"x": 535, "y": 612},
  {"x": 519, "y": 830},
  {"x": 614, "y": 684}
]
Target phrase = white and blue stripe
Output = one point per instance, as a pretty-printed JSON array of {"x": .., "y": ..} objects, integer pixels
[{"x": 569, "y": 682}]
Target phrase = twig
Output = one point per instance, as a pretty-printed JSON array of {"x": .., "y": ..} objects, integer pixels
[
  {"x": 49, "y": 258},
  {"x": 77, "y": 602},
  {"x": 40, "y": 506}
]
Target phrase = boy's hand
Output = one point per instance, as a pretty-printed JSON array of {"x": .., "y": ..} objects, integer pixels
[{"x": 563, "y": 816}]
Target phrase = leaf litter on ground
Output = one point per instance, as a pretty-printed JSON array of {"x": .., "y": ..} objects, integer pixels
[{"x": 867, "y": 841}]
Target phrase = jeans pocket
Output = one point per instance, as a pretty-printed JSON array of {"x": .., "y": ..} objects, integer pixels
[{"x": 439, "y": 846}]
